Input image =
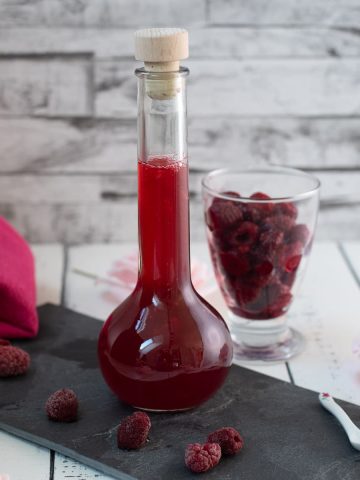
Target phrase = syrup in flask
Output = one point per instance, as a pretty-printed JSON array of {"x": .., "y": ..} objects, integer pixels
[{"x": 164, "y": 348}]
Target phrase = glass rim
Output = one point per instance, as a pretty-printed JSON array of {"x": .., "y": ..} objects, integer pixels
[
  {"x": 295, "y": 172},
  {"x": 142, "y": 73}
]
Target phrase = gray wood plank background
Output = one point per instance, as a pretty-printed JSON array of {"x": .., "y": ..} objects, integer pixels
[{"x": 271, "y": 82}]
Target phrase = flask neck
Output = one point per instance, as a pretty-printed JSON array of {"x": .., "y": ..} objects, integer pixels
[
  {"x": 163, "y": 193},
  {"x": 162, "y": 123}
]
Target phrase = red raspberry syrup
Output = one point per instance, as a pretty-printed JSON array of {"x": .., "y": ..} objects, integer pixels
[
  {"x": 256, "y": 249},
  {"x": 164, "y": 348}
]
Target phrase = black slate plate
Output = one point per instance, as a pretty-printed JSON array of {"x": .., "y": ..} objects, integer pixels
[{"x": 287, "y": 433}]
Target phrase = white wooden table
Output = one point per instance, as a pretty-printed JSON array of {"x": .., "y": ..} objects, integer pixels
[{"x": 327, "y": 312}]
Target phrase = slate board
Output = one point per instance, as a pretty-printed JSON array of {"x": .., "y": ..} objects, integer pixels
[{"x": 287, "y": 433}]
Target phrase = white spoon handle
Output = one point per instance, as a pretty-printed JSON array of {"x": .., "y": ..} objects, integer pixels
[{"x": 350, "y": 428}]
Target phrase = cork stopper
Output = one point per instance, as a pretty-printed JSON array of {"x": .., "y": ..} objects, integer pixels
[{"x": 161, "y": 50}]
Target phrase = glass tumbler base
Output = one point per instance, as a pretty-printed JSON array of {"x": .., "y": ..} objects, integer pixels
[
  {"x": 264, "y": 341},
  {"x": 292, "y": 344}
]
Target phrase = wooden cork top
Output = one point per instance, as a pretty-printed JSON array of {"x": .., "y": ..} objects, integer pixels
[{"x": 161, "y": 49}]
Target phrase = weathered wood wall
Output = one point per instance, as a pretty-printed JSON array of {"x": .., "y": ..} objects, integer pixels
[{"x": 270, "y": 81}]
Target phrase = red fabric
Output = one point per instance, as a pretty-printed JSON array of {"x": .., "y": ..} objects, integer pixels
[{"x": 18, "y": 315}]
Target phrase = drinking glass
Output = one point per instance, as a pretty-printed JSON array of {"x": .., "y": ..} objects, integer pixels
[{"x": 260, "y": 226}]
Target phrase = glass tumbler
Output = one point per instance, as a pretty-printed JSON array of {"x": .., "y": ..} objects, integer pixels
[{"x": 260, "y": 227}]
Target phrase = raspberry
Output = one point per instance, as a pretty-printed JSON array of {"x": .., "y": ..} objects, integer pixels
[
  {"x": 223, "y": 214},
  {"x": 271, "y": 239},
  {"x": 4, "y": 342},
  {"x": 201, "y": 458},
  {"x": 231, "y": 194},
  {"x": 278, "y": 222},
  {"x": 264, "y": 268},
  {"x": 290, "y": 256},
  {"x": 228, "y": 438},
  {"x": 243, "y": 237},
  {"x": 246, "y": 293},
  {"x": 13, "y": 361},
  {"x": 260, "y": 196},
  {"x": 252, "y": 213},
  {"x": 234, "y": 264},
  {"x": 288, "y": 209},
  {"x": 265, "y": 206},
  {"x": 256, "y": 250},
  {"x": 269, "y": 244},
  {"x": 219, "y": 240},
  {"x": 277, "y": 308},
  {"x": 133, "y": 431},
  {"x": 274, "y": 291},
  {"x": 62, "y": 406},
  {"x": 261, "y": 274},
  {"x": 299, "y": 233},
  {"x": 288, "y": 278}
]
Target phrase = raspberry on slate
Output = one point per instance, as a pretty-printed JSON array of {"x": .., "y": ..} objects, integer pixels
[
  {"x": 4, "y": 342},
  {"x": 133, "y": 431},
  {"x": 13, "y": 361},
  {"x": 201, "y": 458},
  {"x": 229, "y": 440},
  {"x": 223, "y": 214},
  {"x": 62, "y": 406}
]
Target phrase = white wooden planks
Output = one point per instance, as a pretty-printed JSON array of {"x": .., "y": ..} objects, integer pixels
[
  {"x": 49, "y": 264},
  {"x": 22, "y": 460},
  {"x": 285, "y": 12},
  {"x": 61, "y": 146},
  {"x": 276, "y": 84},
  {"x": 75, "y": 223},
  {"x": 321, "y": 87},
  {"x": 19, "y": 458},
  {"x": 65, "y": 468},
  {"x": 40, "y": 189},
  {"x": 327, "y": 312},
  {"x": 163, "y": 12},
  {"x": 86, "y": 208},
  {"x": 351, "y": 251},
  {"x": 45, "y": 86},
  {"x": 102, "y": 14},
  {"x": 113, "y": 221},
  {"x": 211, "y": 42}
]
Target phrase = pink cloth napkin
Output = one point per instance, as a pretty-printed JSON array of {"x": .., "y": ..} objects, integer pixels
[{"x": 18, "y": 315}]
